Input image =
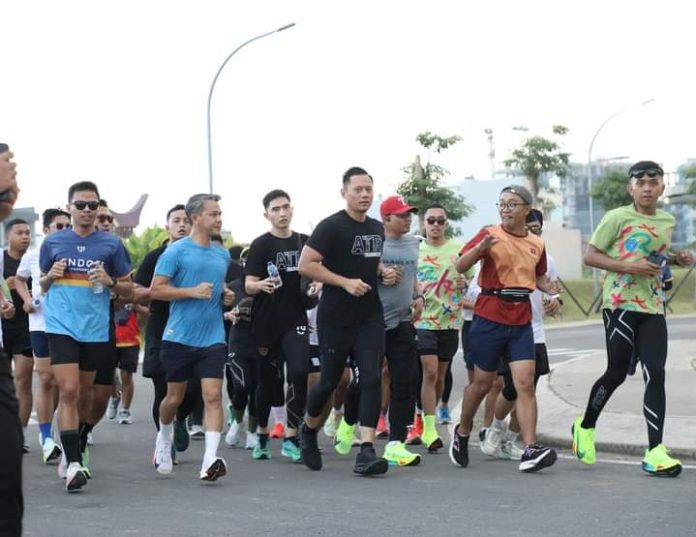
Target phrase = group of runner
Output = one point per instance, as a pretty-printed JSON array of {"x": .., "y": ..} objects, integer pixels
[{"x": 353, "y": 328}]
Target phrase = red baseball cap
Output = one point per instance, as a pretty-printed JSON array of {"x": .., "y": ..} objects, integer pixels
[{"x": 395, "y": 205}]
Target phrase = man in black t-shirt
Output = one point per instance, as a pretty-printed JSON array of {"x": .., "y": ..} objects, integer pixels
[
  {"x": 278, "y": 320},
  {"x": 344, "y": 253},
  {"x": 15, "y": 331}
]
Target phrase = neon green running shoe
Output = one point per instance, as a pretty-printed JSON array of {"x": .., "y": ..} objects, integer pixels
[
  {"x": 85, "y": 463},
  {"x": 262, "y": 451},
  {"x": 397, "y": 455},
  {"x": 658, "y": 462},
  {"x": 344, "y": 438},
  {"x": 291, "y": 449},
  {"x": 583, "y": 443}
]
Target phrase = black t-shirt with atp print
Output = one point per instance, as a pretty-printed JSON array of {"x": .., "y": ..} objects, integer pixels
[{"x": 352, "y": 249}]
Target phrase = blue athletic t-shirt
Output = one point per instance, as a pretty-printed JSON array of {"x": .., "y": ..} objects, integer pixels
[
  {"x": 195, "y": 322},
  {"x": 71, "y": 308}
]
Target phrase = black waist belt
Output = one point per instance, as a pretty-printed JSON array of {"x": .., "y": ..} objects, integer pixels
[{"x": 511, "y": 294}]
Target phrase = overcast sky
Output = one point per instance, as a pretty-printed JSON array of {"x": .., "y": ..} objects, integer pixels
[{"x": 116, "y": 92}]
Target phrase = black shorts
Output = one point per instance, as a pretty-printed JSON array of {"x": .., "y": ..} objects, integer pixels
[
  {"x": 65, "y": 350},
  {"x": 152, "y": 365},
  {"x": 440, "y": 343},
  {"x": 107, "y": 365},
  {"x": 314, "y": 362},
  {"x": 465, "y": 346},
  {"x": 128, "y": 358},
  {"x": 183, "y": 362},
  {"x": 39, "y": 344},
  {"x": 541, "y": 363},
  {"x": 17, "y": 342}
]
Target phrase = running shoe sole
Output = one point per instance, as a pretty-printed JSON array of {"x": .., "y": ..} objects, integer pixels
[
  {"x": 55, "y": 454},
  {"x": 674, "y": 471},
  {"x": 435, "y": 445},
  {"x": 546, "y": 459},
  {"x": 375, "y": 467},
  {"x": 415, "y": 462},
  {"x": 215, "y": 471},
  {"x": 450, "y": 451},
  {"x": 77, "y": 482}
]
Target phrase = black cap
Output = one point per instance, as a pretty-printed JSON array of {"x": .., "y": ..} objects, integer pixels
[
  {"x": 645, "y": 166},
  {"x": 535, "y": 215}
]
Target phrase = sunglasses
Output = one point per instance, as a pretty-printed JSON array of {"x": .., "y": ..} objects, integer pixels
[
  {"x": 81, "y": 205},
  {"x": 511, "y": 205},
  {"x": 439, "y": 221},
  {"x": 105, "y": 218},
  {"x": 650, "y": 173},
  {"x": 60, "y": 225}
]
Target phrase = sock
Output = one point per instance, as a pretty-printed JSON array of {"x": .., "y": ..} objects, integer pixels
[
  {"x": 498, "y": 424},
  {"x": 510, "y": 436},
  {"x": 46, "y": 432},
  {"x": 212, "y": 441},
  {"x": 429, "y": 423},
  {"x": 279, "y": 414},
  {"x": 166, "y": 431},
  {"x": 85, "y": 429},
  {"x": 293, "y": 439},
  {"x": 366, "y": 445},
  {"x": 71, "y": 445}
]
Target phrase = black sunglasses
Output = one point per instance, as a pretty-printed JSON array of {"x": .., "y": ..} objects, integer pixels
[
  {"x": 639, "y": 174},
  {"x": 60, "y": 225},
  {"x": 440, "y": 221},
  {"x": 105, "y": 218},
  {"x": 80, "y": 205}
]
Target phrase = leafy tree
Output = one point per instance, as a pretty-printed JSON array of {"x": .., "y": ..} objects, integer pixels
[
  {"x": 422, "y": 186},
  {"x": 139, "y": 245},
  {"x": 611, "y": 190},
  {"x": 538, "y": 155}
]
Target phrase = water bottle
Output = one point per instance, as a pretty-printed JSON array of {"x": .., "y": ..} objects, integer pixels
[
  {"x": 275, "y": 274},
  {"x": 97, "y": 286}
]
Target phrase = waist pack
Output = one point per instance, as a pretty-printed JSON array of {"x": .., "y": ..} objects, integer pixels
[{"x": 509, "y": 294}]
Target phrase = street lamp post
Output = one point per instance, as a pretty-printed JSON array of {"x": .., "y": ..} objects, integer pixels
[
  {"x": 589, "y": 175},
  {"x": 212, "y": 87}
]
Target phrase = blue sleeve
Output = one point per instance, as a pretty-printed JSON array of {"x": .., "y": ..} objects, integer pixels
[
  {"x": 45, "y": 257},
  {"x": 120, "y": 264},
  {"x": 167, "y": 264}
]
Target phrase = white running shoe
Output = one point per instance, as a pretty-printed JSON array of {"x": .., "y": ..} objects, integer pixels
[
  {"x": 62, "y": 467},
  {"x": 196, "y": 432},
  {"x": 162, "y": 458},
  {"x": 251, "y": 439},
  {"x": 112, "y": 409},
  {"x": 50, "y": 451},
  {"x": 75, "y": 477},
  {"x": 90, "y": 439},
  {"x": 124, "y": 417},
  {"x": 215, "y": 469},
  {"x": 234, "y": 433},
  {"x": 493, "y": 441},
  {"x": 511, "y": 450},
  {"x": 331, "y": 424}
]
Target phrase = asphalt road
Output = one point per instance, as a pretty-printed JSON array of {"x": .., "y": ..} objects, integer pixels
[{"x": 276, "y": 497}]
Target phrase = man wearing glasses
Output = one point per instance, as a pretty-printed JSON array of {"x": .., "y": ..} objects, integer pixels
[
  {"x": 28, "y": 271},
  {"x": 105, "y": 220},
  {"x": 513, "y": 265},
  {"x": 632, "y": 243},
  {"x": 439, "y": 325},
  {"x": 79, "y": 267}
]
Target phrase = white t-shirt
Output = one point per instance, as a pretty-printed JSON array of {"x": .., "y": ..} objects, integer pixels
[
  {"x": 537, "y": 300},
  {"x": 29, "y": 268},
  {"x": 472, "y": 292}
]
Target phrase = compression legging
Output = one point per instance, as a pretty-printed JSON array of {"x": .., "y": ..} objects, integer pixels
[{"x": 646, "y": 334}]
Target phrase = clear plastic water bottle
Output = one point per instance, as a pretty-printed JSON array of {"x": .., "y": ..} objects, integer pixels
[
  {"x": 275, "y": 274},
  {"x": 97, "y": 286}
]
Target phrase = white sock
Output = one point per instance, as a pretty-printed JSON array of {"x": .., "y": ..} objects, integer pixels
[
  {"x": 498, "y": 424},
  {"x": 212, "y": 441},
  {"x": 279, "y": 414},
  {"x": 166, "y": 431}
]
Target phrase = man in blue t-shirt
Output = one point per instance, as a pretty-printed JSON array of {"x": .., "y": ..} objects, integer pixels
[
  {"x": 81, "y": 267},
  {"x": 191, "y": 275}
]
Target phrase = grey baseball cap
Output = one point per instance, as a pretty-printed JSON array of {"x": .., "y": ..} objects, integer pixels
[{"x": 521, "y": 191}]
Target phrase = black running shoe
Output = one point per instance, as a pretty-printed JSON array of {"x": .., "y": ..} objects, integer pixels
[
  {"x": 181, "y": 436},
  {"x": 311, "y": 456},
  {"x": 459, "y": 448},
  {"x": 368, "y": 463},
  {"x": 536, "y": 457}
]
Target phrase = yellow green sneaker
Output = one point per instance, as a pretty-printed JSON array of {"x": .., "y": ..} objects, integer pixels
[
  {"x": 583, "y": 443},
  {"x": 397, "y": 455},
  {"x": 344, "y": 438},
  {"x": 658, "y": 462},
  {"x": 430, "y": 437}
]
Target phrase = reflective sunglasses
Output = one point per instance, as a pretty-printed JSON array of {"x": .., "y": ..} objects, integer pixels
[
  {"x": 105, "y": 218},
  {"x": 60, "y": 225},
  {"x": 510, "y": 205},
  {"x": 639, "y": 174},
  {"x": 80, "y": 205},
  {"x": 439, "y": 221}
]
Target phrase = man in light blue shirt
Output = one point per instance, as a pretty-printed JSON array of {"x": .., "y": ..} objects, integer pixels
[{"x": 191, "y": 275}]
